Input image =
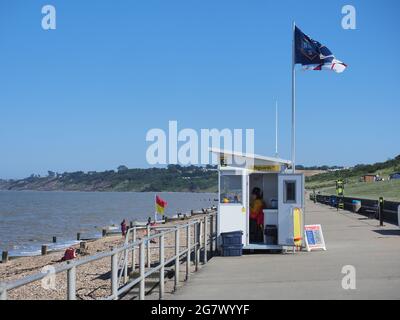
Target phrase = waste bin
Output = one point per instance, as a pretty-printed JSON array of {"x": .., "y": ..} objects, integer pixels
[
  {"x": 232, "y": 251},
  {"x": 232, "y": 244},
  {"x": 271, "y": 235}
]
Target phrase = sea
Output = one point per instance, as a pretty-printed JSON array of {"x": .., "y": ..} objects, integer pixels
[{"x": 29, "y": 219}]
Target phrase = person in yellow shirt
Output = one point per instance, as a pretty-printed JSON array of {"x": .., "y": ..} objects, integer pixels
[{"x": 257, "y": 206}]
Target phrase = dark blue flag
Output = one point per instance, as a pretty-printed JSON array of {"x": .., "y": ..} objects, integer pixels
[{"x": 313, "y": 55}]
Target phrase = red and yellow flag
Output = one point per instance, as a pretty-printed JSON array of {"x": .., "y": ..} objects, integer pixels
[{"x": 160, "y": 205}]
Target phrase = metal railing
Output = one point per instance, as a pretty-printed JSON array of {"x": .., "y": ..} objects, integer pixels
[
  {"x": 121, "y": 282},
  {"x": 369, "y": 207}
]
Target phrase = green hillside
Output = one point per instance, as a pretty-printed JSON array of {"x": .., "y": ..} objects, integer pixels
[
  {"x": 174, "y": 178},
  {"x": 390, "y": 190}
]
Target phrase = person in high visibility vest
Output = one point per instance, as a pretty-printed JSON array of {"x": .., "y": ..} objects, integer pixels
[{"x": 256, "y": 216}]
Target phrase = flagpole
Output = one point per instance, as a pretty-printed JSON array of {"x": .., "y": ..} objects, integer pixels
[
  {"x": 276, "y": 129},
  {"x": 155, "y": 208},
  {"x": 293, "y": 102}
]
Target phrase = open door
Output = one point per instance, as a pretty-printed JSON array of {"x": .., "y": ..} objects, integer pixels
[
  {"x": 290, "y": 196},
  {"x": 233, "y": 203}
]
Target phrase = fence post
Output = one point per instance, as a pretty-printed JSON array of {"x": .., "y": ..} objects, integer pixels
[
  {"x": 148, "y": 247},
  {"x": 162, "y": 269},
  {"x": 215, "y": 235},
  {"x": 141, "y": 270},
  {"x": 3, "y": 291},
  {"x": 381, "y": 209},
  {"x": 114, "y": 276},
  {"x": 71, "y": 282},
  {"x": 188, "y": 252},
  {"x": 398, "y": 215},
  {"x": 126, "y": 257},
  {"x": 211, "y": 235},
  {"x": 213, "y": 238},
  {"x": 134, "y": 250},
  {"x": 205, "y": 240},
  {"x": 4, "y": 257},
  {"x": 195, "y": 251},
  {"x": 199, "y": 235},
  {"x": 177, "y": 259},
  {"x": 83, "y": 245}
]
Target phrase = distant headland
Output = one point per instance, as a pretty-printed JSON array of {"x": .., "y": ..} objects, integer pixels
[{"x": 173, "y": 178}]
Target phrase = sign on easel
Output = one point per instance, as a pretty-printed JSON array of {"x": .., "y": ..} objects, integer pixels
[{"x": 314, "y": 237}]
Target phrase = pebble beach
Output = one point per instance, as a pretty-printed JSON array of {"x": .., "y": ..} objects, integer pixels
[{"x": 93, "y": 279}]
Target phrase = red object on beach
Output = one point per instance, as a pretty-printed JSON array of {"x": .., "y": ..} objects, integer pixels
[{"x": 69, "y": 254}]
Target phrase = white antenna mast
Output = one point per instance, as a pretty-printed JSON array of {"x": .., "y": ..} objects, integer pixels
[{"x": 276, "y": 129}]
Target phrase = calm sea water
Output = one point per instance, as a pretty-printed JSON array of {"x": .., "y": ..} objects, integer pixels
[{"x": 29, "y": 219}]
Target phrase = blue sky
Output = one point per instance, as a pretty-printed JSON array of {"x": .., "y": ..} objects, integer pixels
[{"x": 83, "y": 96}]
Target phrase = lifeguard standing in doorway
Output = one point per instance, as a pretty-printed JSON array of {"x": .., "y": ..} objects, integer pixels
[{"x": 256, "y": 216}]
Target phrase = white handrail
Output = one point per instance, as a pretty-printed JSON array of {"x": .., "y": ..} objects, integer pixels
[{"x": 116, "y": 290}]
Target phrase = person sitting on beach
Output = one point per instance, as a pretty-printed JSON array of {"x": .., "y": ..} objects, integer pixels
[{"x": 69, "y": 254}]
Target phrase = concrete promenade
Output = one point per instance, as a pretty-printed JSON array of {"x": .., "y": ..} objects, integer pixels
[{"x": 351, "y": 239}]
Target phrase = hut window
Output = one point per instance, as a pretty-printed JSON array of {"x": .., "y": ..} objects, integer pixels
[
  {"x": 290, "y": 192},
  {"x": 231, "y": 189}
]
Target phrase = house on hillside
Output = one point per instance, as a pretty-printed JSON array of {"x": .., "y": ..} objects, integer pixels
[{"x": 369, "y": 178}]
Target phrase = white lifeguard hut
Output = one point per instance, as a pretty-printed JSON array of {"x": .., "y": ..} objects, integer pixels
[{"x": 282, "y": 190}]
